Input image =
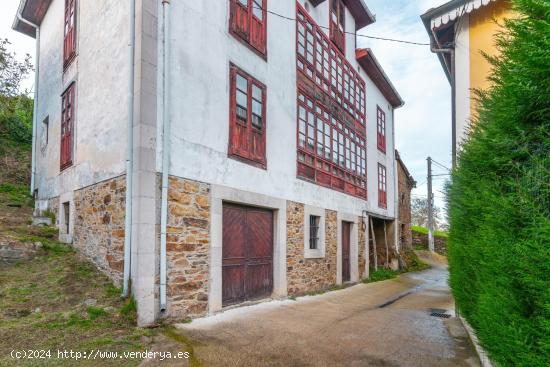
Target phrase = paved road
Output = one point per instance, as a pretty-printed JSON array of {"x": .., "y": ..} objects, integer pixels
[{"x": 358, "y": 326}]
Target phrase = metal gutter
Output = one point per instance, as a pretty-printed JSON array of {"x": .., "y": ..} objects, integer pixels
[
  {"x": 35, "y": 101},
  {"x": 165, "y": 146},
  {"x": 129, "y": 154}
]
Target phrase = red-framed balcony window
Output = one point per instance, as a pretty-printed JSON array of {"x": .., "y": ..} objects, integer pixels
[
  {"x": 67, "y": 126},
  {"x": 323, "y": 63},
  {"x": 382, "y": 187},
  {"x": 338, "y": 24},
  {"x": 247, "y": 130},
  {"x": 330, "y": 153},
  {"x": 69, "y": 32},
  {"x": 248, "y": 23},
  {"x": 381, "y": 129}
]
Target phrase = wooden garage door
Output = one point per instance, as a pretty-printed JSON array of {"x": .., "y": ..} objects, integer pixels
[{"x": 247, "y": 266}]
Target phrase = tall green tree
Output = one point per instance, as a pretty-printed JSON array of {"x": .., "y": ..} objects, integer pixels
[
  {"x": 16, "y": 110},
  {"x": 499, "y": 199}
]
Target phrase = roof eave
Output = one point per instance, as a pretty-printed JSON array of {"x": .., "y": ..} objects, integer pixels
[
  {"x": 20, "y": 26},
  {"x": 360, "y": 11},
  {"x": 30, "y": 11},
  {"x": 426, "y": 19}
]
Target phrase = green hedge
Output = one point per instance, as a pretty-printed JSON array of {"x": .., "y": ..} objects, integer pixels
[{"x": 499, "y": 200}]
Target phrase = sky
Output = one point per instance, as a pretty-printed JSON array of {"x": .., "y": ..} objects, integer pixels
[{"x": 423, "y": 125}]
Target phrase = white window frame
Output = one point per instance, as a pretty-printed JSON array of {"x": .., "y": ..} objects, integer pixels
[{"x": 319, "y": 252}]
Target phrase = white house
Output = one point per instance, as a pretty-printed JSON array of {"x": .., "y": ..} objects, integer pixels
[{"x": 213, "y": 152}]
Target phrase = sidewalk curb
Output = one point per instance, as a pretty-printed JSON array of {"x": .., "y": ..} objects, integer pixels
[{"x": 482, "y": 354}]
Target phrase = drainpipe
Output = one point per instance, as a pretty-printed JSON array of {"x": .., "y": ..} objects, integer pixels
[
  {"x": 129, "y": 153},
  {"x": 165, "y": 146},
  {"x": 35, "y": 102},
  {"x": 434, "y": 48}
]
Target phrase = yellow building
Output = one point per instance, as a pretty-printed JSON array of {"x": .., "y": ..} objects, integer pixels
[{"x": 459, "y": 31}]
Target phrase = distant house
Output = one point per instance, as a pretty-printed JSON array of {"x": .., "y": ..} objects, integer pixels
[
  {"x": 236, "y": 154},
  {"x": 405, "y": 184},
  {"x": 460, "y": 30}
]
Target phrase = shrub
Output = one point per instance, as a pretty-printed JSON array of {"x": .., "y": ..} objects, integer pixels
[
  {"x": 499, "y": 199},
  {"x": 379, "y": 275}
]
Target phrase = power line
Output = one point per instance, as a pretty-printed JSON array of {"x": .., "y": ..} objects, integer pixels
[
  {"x": 441, "y": 165},
  {"x": 354, "y": 34}
]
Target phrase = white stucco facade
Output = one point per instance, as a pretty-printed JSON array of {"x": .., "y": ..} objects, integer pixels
[
  {"x": 202, "y": 50},
  {"x": 463, "y": 90},
  {"x": 100, "y": 71}
]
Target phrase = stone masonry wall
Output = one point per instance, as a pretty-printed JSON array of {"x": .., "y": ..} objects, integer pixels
[
  {"x": 53, "y": 206},
  {"x": 421, "y": 240},
  {"x": 404, "y": 191},
  {"x": 309, "y": 275},
  {"x": 187, "y": 247},
  {"x": 99, "y": 225}
]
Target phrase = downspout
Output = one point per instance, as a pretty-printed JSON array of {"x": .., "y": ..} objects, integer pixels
[
  {"x": 129, "y": 154},
  {"x": 165, "y": 146},
  {"x": 395, "y": 187},
  {"x": 35, "y": 102},
  {"x": 434, "y": 48}
]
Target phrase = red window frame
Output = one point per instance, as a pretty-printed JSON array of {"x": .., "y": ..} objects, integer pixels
[
  {"x": 67, "y": 126},
  {"x": 69, "y": 32},
  {"x": 337, "y": 21},
  {"x": 248, "y": 23},
  {"x": 329, "y": 153},
  {"x": 381, "y": 129},
  {"x": 247, "y": 129},
  {"x": 324, "y": 64},
  {"x": 382, "y": 187}
]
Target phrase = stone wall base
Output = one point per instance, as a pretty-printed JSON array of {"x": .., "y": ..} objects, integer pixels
[
  {"x": 98, "y": 232},
  {"x": 187, "y": 248}
]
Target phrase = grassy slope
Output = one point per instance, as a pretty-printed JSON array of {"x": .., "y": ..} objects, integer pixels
[
  {"x": 424, "y": 230},
  {"x": 42, "y": 301}
]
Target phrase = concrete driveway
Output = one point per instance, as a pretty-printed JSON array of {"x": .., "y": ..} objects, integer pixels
[{"x": 381, "y": 324}]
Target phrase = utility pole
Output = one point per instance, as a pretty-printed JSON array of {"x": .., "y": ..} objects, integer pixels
[{"x": 430, "y": 208}]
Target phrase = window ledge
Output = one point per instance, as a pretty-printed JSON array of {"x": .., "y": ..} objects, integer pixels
[{"x": 314, "y": 254}]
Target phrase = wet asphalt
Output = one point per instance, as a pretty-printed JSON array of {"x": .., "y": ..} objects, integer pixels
[{"x": 387, "y": 323}]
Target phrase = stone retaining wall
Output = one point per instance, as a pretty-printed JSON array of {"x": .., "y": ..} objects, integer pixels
[
  {"x": 421, "y": 239},
  {"x": 187, "y": 248},
  {"x": 309, "y": 275},
  {"x": 12, "y": 251},
  {"x": 98, "y": 231}
]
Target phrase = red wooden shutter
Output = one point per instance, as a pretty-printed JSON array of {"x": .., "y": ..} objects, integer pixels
[
  {"x": 258, "y": 15},
  {"x": 240, "y": 17},
  {"x": 248, "y": 21},
  {"x": 67, "y": 117},
  {"x": 247, "y": 131},
  {"x": 337, "y": 24},
  {"x": 69, "y": 40},
  {"x": 382, "y": 187},
  {"x": 239, "y": 115},
  {"x": 381, "y": 129},
  {"x": 257, "y": 120}
]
